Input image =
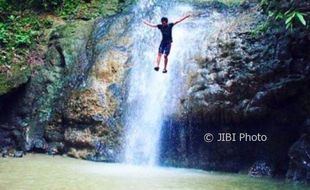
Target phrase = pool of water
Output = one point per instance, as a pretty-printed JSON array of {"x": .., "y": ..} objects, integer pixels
[{"x": 37, "y": 172}]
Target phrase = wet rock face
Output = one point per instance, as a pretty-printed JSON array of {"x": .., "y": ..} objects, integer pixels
[
  {"x": 246, "y": 77},
  {"x": 89, "y": 124},
  {"x": 88, "y": 106},
  {"x": 299, "y": 168},
  {"x": 92, "y": 122},
  {"x": 50, "y": 85},
  {"x": 72, "y": 104},
  {"x": 243, "y": 83}
]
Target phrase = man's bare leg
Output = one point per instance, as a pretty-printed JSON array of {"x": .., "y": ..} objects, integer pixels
[
  {"x": 157, "y": 62},
  {"x": 166, "y": 63},
  {"x": 158, "y": 59}
]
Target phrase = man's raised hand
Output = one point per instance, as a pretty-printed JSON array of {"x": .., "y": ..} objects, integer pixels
[{"x": 182, "y": 18}]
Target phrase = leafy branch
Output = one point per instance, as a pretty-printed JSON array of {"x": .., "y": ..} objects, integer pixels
[{"x": 293, "y": 13}]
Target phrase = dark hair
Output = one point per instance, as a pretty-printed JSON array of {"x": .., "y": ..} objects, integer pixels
[{"x": 164, "y": 19}]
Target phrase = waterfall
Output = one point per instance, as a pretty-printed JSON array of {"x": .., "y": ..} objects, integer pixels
[{"x": 153, "y": 95}]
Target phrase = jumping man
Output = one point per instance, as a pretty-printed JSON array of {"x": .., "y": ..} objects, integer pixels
[{"x": 165, "y": 44}]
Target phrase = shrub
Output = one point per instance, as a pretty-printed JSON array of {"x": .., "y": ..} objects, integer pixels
[
  {"x": 47, "y": 5},
  {"x": 293, "y": 13}
]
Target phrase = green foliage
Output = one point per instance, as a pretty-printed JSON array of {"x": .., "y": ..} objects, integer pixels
[
  {"x": 23, "y": 26},
  {"x": 18, "y": 34},
  {"x": 261, "y": 28},
  {"x": 71, "y": 9},
  {"x": 289, "y": 12},
  {"x": 291, "y": 18},
  {"x": 3, "y": 33},
  {"x": 47, "y": 5}
]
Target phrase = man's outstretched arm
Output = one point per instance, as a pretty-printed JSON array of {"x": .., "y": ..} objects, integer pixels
[
  {"x": 181, "y": 19},
  {"x": 150, "y": 24}
]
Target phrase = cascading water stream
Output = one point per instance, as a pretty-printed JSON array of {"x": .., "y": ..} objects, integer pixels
[
  {"x": 152, "y": 95},
  {"x": 146, "y": 95}
]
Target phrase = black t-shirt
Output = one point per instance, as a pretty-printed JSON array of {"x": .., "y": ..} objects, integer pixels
[{"x": 166, "y": 32}]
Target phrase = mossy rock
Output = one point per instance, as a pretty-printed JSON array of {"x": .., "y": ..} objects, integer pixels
[{"x": 15, "y": 76}]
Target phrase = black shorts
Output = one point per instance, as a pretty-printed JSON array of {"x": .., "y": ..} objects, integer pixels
[{"x": 164, "y": 48}]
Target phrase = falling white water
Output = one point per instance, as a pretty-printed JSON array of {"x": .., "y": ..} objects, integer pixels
[{"x": 154, "y": 95}]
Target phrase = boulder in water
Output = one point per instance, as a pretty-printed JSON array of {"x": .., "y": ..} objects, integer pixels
[
  {"x": 260, "y": 169},
  {"x": 18, "y": 154}
]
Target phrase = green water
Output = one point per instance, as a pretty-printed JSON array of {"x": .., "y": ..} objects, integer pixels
[{"x": 41, "y": 172}]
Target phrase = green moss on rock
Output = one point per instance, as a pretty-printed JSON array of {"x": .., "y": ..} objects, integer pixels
[{"x": 13, "y": 78}]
